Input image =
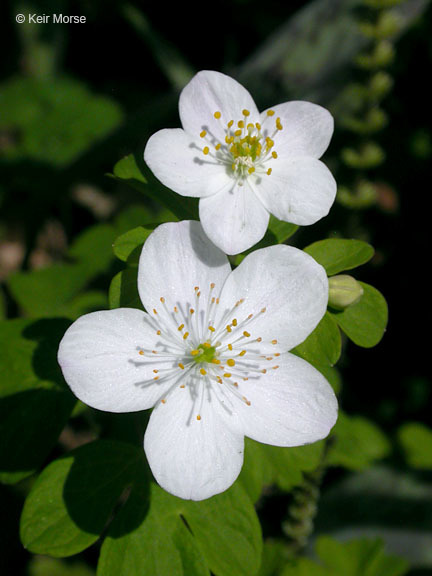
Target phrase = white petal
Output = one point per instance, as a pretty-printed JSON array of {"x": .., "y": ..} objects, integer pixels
[
  {"x": 193, "y": 459},
  {"x": 284, "y": 288},
  {"x": 234, "y": 219},
  {"x": 299, "y": 190},
  {"x": 100, "y": 360},
  {"x": 178, "y": 161},
  {"x": 289, "y": 406},
  {"x": 307, "y": 129},
  {"x": 176, "y": 258},
  {"x": 209, "y": 92}
]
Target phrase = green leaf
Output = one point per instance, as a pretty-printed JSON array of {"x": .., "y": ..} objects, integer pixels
[
  {"x": 123, "y": 291},
  {"x": 364, "y": 322},
  {"x": 181, "y": 538},
  {"x": 416, "y": 441},
  {"x": 127, "y": 170},
  {"x": 73, "y": 498},
  {"x": 357, "y": 557},
  {"x": 93, "y": 249},
  {"x": 356, "y": 443},
  {"x": 323, "y": 346},
  {"x": 47, "y": 292},
  {"x": 34, "y": 401},
  {"x": 285, "y": 467},
  {"x": 128, "y": 246},
  {"x": 337, "y": 254},
  {"x": 44, "y": 566}
]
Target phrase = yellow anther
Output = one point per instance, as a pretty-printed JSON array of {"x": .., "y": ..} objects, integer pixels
[
  {"x": 234, "y": 322},
  {"x": 195, "y": 352},
  {"x": 162, "y": 299},
  {"x": 250, "y": 127},
  {"x": 203, "y": 134},
  {"x": 206, "y": 150},
  {"x": 259, "y": 339},
  {"x": 258, "y": 126},
  {"x": 163, "y": 401},
  {"x": 175, "y": 309},
  {"x": 240, "y": 124},
  {"x": 180, "y": 365},
  {"x": 263, "y": 310},
  {"x": 155, "y": 371},
  {"x": 238, "y": 133},
  {"x": 228, "y": 328},
  {"x": 215, "y": 361},
  {"x": 154, "y": 352},
  {"x": 235, "y": 384},
  {"x": 246, "y": 112},
  {"x": 212, "y": 285},
  {"x": 158, "y": 332},
  {"x": 180, "y": 328},
  {"x": 227, "y": 375},
  {"x": 219, "y": 379},
  {"x": 156, "y": 378},
  {"x": 217, "y": 115},
  {"x": 246, "y": 400},
  {"x": 270, "y": 112},
  {"x": 230, "y": 123},
  {"x": 196, "y": 288},
  {"x": 203, "y": 372},
  {"x": 198, "y": 417},
  {"x": 141, "y": 352},
  {"x": 275, "y": 367},
  {"x": 274, "y": 154},
  {"x": 231, "y": 362},
  {"x": 185, "y": 335},
  {"x": 263, "y": 371},
  {"x": 192, "y": 311},
  {"x": 250, "y": 316},
  {"x": 182, "y": 386},
  {"x": 154, "y": 311},
  {"x": 269, "y": 171},
  {"x": 242, "y": 353},
  {"x": 212, "y": 329},
  {"x": 251, "y": 170},
  {"x": 206, "y": 345},
  {"x": 278, "y": 124},
  {"x": 246, "y": 334},
  {"x": 218, "y": 146},
  {"x": 230, "y": 347},
  {"x": 274, "y": 341},
  {"x": 277, "y": 354}
]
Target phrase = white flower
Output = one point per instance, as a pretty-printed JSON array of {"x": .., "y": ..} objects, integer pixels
[
  {"x": 244, "y": 165},
  {"x": 209, "y": 355}
]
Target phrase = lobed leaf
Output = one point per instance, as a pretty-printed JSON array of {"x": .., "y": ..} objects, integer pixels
[
  {"x": 338, "y": 254},
  {"x": 34, "y": 402},
  {"x": 364, "y": 322}
]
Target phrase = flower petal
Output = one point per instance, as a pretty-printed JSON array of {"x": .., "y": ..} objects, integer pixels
[
  {"x": 234, "y": 219},
  {"x": 100, "y": 360},
  {"x": 307, "y": 129},
  {"x": 284, "y": 288},
  {"x": 193, "y": 459},
  {"x": 299, "y": 190},
  {"x": 177, "y": 160},
  {"x": 209, "y": 92},
  {"x": 178, "y": 257},
  {"x": 289, "y": 406}
]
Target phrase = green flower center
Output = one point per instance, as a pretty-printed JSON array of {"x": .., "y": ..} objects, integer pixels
[{"x": 204, "y": 353}]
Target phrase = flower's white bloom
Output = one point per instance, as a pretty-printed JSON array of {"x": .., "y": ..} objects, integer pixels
[
  {"x": 242, "y": 164},
  {"x": 210, "y": 354}
]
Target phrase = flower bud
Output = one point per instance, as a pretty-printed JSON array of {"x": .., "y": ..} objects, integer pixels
[{"x": 344, "y": 290}]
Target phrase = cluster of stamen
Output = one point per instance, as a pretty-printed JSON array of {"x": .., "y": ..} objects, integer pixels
[
  {"x": 247, "y": 146},
  {"x": 204, "y": 357}
]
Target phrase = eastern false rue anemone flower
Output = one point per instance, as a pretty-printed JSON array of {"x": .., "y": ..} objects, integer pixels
[
  {"x": 242, "y": 164},
  {"x": 210, "y": 355}
]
